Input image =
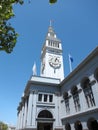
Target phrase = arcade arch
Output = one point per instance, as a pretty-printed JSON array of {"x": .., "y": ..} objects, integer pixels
[
  {"x": 78, "y": 125},
  {"x": 67, "y": 126},
  {"x": 92, "y": 124},
  {"x": 87, "y": 89},
  {"x": 75, "y": 94}
]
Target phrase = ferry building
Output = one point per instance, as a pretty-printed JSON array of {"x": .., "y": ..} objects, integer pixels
[{"x": 54, "y": 102}]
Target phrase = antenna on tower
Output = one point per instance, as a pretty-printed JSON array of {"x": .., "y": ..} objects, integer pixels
[{"x": 51, "y": 21}]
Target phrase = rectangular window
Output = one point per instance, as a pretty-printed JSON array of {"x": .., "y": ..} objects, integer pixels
[
  {"x": 45, "y": 97},
  {"x": 89, "y": 97},
  {"x": 50, "y": 98},
  {"x": 76, "y": 102},
  {"x": 67, "y": 106},
  {"x": 40, "y": 97}
]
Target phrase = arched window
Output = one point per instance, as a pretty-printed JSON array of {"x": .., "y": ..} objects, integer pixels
[
  {"x": 45, "y": 114},
  {"x": 66, "y": 99},
  {"x": 75, "y": 95},
  {"x": 45, "y": 120},
  {"x": 92, "y": 124},
  {"x": 67, "y": 126},
  {"x": 88, "y": 92},
  {"x": 78, "y": 125}
]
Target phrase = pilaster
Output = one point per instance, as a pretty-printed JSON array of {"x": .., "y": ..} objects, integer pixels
[
  {"x": 22, "y": 116},
  {"x": 25, "y": 114},
  {"x": 20, "y": 121},
  {"x": 18, "y": 116},
  {"x": 94, "y": 86},
  {"x": 57, "y": 109},
  {"x": 34, "y": 113},
  {"x": 29, "y": 114}
]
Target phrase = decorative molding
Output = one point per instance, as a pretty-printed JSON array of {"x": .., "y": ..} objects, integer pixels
[
  {"x": 69, "y": 96},
  {"x": 92, "y": 82},
  {"x": 44, "y": 120},
  {"x": 80, "y": 114},
  {"x": 57, "y": 93},
  {"x": 33, "y": 92},
  {"x": 62, "y": 101},
  {"x": 48, "y": 106},
  {"x": 66, "y": 98},
  {"x": 79, "y": 90}
]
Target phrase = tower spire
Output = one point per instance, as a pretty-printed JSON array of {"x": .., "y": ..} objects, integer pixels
[{"x": 51, "y": 21}]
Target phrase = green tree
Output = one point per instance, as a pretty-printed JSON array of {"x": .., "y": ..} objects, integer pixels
[
  {"x": 8, "y": 36},
  {"x": 3, "y": 126},
  {"x": 52, "y": 1}
]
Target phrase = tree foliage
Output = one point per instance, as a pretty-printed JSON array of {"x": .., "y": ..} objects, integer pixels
[
  {"x": 52, "y": 1},
  {"x": 8, "y": 36},
  {"x": 3, "y": 126}
]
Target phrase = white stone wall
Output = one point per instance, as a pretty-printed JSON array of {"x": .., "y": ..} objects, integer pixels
[{"x": 85, "y": 113}]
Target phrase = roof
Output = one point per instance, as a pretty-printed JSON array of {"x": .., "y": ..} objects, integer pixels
[{"x": 52, "y": 34}]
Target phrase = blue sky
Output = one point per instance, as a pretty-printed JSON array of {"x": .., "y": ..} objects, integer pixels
[{"x": 76, "y": 25}]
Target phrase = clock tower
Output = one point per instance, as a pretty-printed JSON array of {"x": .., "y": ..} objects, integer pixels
[{"x": 51, "y": 56}]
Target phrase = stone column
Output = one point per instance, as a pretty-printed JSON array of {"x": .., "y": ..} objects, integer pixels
[
  {"x": 20, "y": 118},
  {"x": 57, "y": 110},
  {"x": 94, "y": 86},
  {"x": 29, "y": 114},
  {"x": 34, "y": 109},
  {"x": 17, "y": 127},
  {"x": 25, "y": 113}
]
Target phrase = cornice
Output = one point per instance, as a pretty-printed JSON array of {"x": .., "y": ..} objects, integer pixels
[{"x": 80, "y": 114}]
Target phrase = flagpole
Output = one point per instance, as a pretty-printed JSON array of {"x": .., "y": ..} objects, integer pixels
[
  {"x": 70, "y": 64},
  {"x": 34, "y": 69}
]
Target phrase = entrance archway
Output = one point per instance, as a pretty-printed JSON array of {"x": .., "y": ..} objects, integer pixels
[
  {"x": 45, "y": 120},
  {"x": 92, "y": 124},
  {"x": 44, "y": 126}
]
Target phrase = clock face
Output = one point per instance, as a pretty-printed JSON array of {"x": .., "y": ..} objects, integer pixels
[{"x": 54, "y": 62}]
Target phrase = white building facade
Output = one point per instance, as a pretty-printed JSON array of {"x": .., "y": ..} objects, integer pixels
[{"x": 52, "y": 102}]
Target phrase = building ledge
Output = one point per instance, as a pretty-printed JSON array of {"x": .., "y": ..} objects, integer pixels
[
  {"x": 95, "y": 109},
  {"x": 44, "y": 79}
]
